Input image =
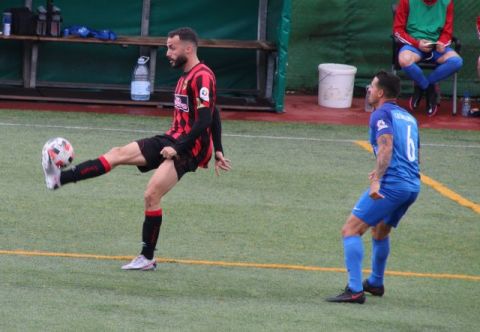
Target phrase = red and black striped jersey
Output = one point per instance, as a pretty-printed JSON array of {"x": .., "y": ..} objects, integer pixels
[{"x": 195, "y": 90}]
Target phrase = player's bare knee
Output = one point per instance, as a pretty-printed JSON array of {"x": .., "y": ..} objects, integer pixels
[
  {"x": 347, "y": 230},
  {"x": 116, "y": 152},
  {"x": 405, "y": 59},
  {"x": 151, "y": 198},
  {"x": 381, "y": 231},
  {"x": 376, "y": 234},
  {"x": 114, "y": 156}
]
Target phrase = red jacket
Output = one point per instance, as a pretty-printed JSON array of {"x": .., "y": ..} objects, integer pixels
[{"x": 401, "y": 18}]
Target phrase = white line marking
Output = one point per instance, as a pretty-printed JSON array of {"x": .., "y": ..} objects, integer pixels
[
  {"x": 291, "y": 138},
  {"x": 77, "y": 127}
]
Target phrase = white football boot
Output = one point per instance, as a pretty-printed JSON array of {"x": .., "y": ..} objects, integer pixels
[
  {"x": 52, "y": 172},
  {"x": 141, "y": 263}
]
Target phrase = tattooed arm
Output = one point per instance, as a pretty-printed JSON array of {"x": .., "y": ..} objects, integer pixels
[{"x": 384, "y": 155}]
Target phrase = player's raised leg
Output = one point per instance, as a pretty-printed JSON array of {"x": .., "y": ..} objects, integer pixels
[
  {"x": 164, "y": 179},
  {"x": 129, "y": 154}
]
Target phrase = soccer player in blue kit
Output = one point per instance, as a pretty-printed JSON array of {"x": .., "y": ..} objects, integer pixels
[{"x": 394, "y": 186}]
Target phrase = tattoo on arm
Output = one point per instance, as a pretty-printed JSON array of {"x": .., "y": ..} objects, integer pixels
[{"x": 384, "y": 154}]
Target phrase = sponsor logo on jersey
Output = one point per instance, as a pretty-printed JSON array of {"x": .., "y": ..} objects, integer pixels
[
  {"x": 181, "y": 102},
  {"x": 205, "y": 94},
  {"x": 381, "y": 125}
]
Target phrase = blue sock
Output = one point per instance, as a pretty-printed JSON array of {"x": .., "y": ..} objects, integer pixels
[
  {"x": 449, "y": 67},
  {"x": 380, "y": 251},
  {"x": 415, "y": 73},
  {"x": 353, "y": 252}
]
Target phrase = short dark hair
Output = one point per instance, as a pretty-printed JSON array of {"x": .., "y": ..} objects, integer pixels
[
  {"x": 186, "y": 34},
  {"x": 389, "y": 83}
]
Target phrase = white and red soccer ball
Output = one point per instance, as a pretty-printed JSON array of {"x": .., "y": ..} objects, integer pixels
[{"x": 60, "y": 151}]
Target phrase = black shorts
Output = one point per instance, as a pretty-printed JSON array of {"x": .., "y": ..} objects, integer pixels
[{"x": 151, "y": 147}]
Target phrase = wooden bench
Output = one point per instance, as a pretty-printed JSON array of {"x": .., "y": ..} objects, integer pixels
[
  {"x": 266, "y": 56},
  {"x": 150, "y": 41},
  {"x": 30, "y": 61}
]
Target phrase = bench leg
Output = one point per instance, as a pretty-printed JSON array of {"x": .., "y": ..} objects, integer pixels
[
  {"x": 454, "y": 95},
  {"x": 27, "y": 57},
  {"x": 153, "y": 66},
  {"x": 32, "y": 79},
  {"x": 271, "y": 64},
  {"x": 261, "y": 73}
]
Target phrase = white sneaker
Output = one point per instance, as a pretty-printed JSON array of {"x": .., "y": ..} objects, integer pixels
[
  {"x": 141, "y": 263},
  {"x": 52, "y": 172}
]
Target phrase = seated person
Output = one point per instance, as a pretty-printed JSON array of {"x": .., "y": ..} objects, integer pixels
[{"x": 425, "y": 28}]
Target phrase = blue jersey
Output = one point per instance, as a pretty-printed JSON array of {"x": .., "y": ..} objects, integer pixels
[{"x": 403, "y": 173}]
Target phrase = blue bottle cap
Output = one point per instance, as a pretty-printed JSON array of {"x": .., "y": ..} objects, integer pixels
[{"x": 7, "y": 17}]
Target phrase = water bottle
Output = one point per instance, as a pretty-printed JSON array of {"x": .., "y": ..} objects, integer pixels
[
  {"x": 368, "y": 107},
  {"x": 467, "y": 104},
  {"x": 7, "y": 23},
  {"x": 140, "y": 86}
]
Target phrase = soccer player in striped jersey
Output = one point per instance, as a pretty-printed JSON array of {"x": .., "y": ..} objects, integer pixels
[
  {"x": 394, "y": 186},
  {"x": 186, "y": 146}
]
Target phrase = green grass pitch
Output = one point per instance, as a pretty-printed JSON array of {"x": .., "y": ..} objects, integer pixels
[{"x": 290, "y": 191}]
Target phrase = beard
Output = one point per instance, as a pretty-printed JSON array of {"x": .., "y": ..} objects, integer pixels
[{"x": 180, "y": 62}]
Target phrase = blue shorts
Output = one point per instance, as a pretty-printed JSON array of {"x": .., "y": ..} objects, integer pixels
[
  {"x": 389, "y": 209},
  {"x": 430, "y": 57}
]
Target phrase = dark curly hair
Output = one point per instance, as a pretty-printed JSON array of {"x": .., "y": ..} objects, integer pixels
[
  {"x": 186, "y": 34},
  {"x": 389, "y": 83}
]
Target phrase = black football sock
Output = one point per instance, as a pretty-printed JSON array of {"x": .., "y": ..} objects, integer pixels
[
  {"x": 151, "y": 231},
  {"x": 86, "y": 170}
]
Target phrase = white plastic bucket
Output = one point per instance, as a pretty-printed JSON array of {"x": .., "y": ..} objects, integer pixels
[{"x": 335, "y": 85}]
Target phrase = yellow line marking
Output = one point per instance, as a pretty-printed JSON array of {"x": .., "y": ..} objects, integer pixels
[
  {"x": 365, "y": 145},
  {"x": 442, "y": 189},
  {"x": 239, "y": 264},
  {"x": 450, "y": 193}
]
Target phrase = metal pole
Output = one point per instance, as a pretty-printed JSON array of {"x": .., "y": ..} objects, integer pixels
[
  {"x": 454, "y": 96},
  {"x": 145, "y": 18},
  {"x": 261, "y": 57},
  {"x": 145, "y": 25},
  {"x": 27, "y": 56},
  {"x": 151, "y": 51},
  {"x": 27, "y": 61},
  {"x": 33, "y": 66}
]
